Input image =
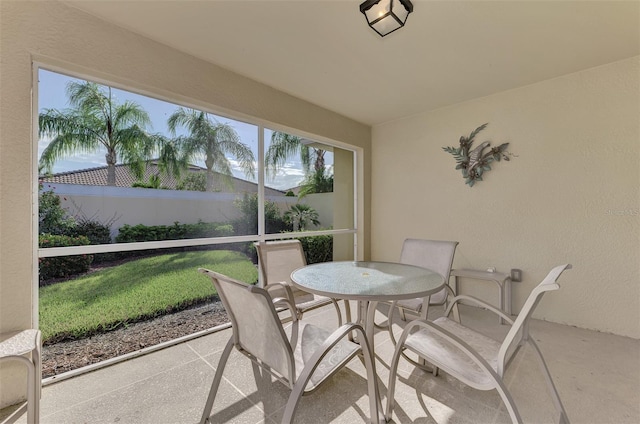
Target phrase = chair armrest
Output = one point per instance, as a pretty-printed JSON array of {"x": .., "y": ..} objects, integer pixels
[
  {"x": 480, "y": 303},
  {"x": 289, "y": 301},
  {"x": 287, "y": 289}
]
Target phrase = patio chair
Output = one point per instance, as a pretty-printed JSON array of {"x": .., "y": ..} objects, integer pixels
[
  {"x": 278, "y": 259},
  {"x": 302, "y": 356},
  {"x": 25, "y": 347},
  {"x": 435, "y": 255},
  {"x": 473, "y": 358}
]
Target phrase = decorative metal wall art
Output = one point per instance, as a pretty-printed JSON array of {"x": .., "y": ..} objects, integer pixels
[{"x": 473, "y": 163}]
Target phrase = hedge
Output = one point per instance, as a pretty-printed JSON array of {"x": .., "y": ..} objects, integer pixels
[
  {"x": 318, "y": 248},
  {"x": 63, "y": 266},
  {"x": 177, "y": 231}
]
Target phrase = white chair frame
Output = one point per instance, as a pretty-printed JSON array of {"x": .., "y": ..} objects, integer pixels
[
  {"x": 436, "y": 255},
  {"x": 292, "y": 248},
  {"x": 17, "y": 346},
  {"x": 282, "y": 350},
  {"x": 456, "y": 356}
]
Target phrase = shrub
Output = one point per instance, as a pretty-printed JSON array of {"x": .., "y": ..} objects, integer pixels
[
  {"x": 52, "y": 218},
  {"x": 137, "y": 233},
  {"x": 248, "y": 222},
  {"x": 96, "y": 232},
  {"x": 63, "y": 266},
  {"x": 299, "y": 216},
  {"x": 318, "y": 248}
]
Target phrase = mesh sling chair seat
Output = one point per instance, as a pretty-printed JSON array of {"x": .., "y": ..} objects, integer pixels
[
  {"x": 474, "y": 359},
  {"x": 302, "y": 356},
  {"x": 277, "y": 260}
]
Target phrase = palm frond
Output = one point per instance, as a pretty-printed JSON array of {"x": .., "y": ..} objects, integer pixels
[{"x": 282, "y": 147}]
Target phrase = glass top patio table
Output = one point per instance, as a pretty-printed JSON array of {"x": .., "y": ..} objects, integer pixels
[
  {"x": 368, "y": 283},
  {"x": 367, "y": 280}
]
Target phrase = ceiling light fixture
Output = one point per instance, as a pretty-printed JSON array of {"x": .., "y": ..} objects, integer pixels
[{"x": 386, "y": 16}]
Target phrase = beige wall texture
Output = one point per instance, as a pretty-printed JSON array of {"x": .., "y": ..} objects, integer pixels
[
  {"x": 55, "y": 34},
  {"x": 571, "y": 194}
]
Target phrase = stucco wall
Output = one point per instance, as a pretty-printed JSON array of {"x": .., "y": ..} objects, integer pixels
[
  {"x": 570, "y": 195},
  {"x": 55, "y": 34}
]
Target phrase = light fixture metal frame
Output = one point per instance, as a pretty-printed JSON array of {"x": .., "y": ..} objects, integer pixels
[{"x": 368, "y": 4}]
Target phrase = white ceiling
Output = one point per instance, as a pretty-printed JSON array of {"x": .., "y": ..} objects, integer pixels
[{"x": 450, "y": 51}]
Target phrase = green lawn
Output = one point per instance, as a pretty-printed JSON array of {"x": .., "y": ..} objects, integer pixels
[{"x": 134, "y": 291}]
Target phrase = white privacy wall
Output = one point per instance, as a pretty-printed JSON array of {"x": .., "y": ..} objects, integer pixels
[
  {"x": 119, "y": 206},
  {"x": 571, "y": 194}
]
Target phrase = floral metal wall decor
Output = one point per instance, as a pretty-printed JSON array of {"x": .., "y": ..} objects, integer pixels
[{"x": 474, "y": 163}]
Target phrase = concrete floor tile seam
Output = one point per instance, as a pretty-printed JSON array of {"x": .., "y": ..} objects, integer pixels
[
  {"x": 44, "y": 415},
  {"x": 203, "y": 358},
  {"x": 247, "y": 396},
  {"x": 269, "y": 418},
  {"x": 164, "y": 371},
  {"x": 83, "y": 401},
  {"x": 115, "y": 390},
  {"x": 381, "y": 343}
]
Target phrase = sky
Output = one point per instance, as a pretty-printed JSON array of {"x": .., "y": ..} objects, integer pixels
[{"x": 52, "y": 95}]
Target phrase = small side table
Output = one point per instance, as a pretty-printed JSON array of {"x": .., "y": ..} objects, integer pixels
[{"x": 500, "y": 278}]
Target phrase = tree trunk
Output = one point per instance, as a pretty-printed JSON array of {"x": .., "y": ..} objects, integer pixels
[
  {"x": 319, "y": 164},
  {"x": 111, "y": 168},
  {"x": 209, "y": 180},
  {"x": 208, "y": 162}
]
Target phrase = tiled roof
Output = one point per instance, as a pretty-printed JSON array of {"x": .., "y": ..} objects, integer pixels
[{"x": 125, "y": 178}]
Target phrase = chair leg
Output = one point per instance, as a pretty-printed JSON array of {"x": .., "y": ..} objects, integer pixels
[
  {"x": 37, "y": 362},
  {"x": 508, "y": 402},
  {"x": 557, "y": 403},
  {"x": 292, "y": 404},
  {"x": 403, "y": 317},
  {"x": 32, "y": 393},
  {"x": 216, "y": 382},
  {"x": 33, "y": 405}
]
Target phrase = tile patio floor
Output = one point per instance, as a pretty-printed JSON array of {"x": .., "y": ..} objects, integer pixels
[{"x": 597, "y": 375}]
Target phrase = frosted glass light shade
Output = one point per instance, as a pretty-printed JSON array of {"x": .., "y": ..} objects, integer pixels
[{"x": 386, "y": 16}]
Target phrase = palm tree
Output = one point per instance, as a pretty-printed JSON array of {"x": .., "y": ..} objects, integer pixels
[
  {"x": 299, "y": 216},
  {"x": 317, "y": 182},
  {"x": 211, "y": 139},
  {"x": 95, "y": 120},
  {"x": 283, "y": 146}
]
